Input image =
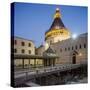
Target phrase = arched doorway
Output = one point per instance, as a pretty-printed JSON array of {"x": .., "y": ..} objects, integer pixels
[{"x": 74, "y": 57}]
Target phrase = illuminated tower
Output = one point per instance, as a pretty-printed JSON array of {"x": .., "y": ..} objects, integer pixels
[{"x": 57, "y": 31}]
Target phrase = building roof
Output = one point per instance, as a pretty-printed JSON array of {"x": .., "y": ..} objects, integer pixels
[
  {"x": 41, "y": 46},
  {"x": 57, "y": 23},
  {"x": 49, "y": 50},
  {"x": 20, "y": 56},
  {"x": 83, "y": 35},
  {"x": 23, "y": 38}
]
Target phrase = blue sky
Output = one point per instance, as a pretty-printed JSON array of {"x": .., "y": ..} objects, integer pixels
[{"x": 32, "y": 20}]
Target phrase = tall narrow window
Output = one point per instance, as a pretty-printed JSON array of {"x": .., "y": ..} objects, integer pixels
[{"x": 65, "y": 49}]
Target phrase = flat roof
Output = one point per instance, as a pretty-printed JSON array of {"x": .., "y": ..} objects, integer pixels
[{"x": 19, "y": 56}]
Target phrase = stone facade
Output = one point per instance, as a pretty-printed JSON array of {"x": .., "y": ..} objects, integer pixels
[
  {"x": 23, "y": 47},
  {"x": 66, "y": 50},
  {"x": 40, "y": 50},
  {"x": 70, "y": 50}
]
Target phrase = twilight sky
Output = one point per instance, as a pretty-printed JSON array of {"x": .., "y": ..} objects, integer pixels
[{"x": 32, "y": 20}]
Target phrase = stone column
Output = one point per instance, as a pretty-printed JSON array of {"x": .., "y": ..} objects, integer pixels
[
  {"x": 53, "y": 62},
  {"x": 29, "y": 63},
  {"x": 35, "y": 63},
  {"x": 22, "y": 63},
  {"x": 45, "y": 62}
]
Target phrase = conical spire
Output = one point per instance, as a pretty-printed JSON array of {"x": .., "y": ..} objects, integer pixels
[{"x": 57, "y": 23}]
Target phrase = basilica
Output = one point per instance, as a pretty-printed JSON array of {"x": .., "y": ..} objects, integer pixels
[
  {"x": 59, "y": 39},
  {"x": 58, "y": 42}
]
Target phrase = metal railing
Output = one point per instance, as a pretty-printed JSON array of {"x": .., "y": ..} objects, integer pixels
[{"x": 61, "y": 67}]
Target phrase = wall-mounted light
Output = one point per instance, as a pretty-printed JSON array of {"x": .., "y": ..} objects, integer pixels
[{"x": 80, "y": 54}]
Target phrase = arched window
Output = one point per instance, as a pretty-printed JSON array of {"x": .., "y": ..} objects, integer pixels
[{"x": 29, "y": 44}]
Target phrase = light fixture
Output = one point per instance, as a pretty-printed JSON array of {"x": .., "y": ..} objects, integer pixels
[
  {"x": 80, "y": 54},
  {"x": 74, "y": 36}
]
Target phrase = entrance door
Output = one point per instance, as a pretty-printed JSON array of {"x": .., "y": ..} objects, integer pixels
[{"x": 74, "y": 59}]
